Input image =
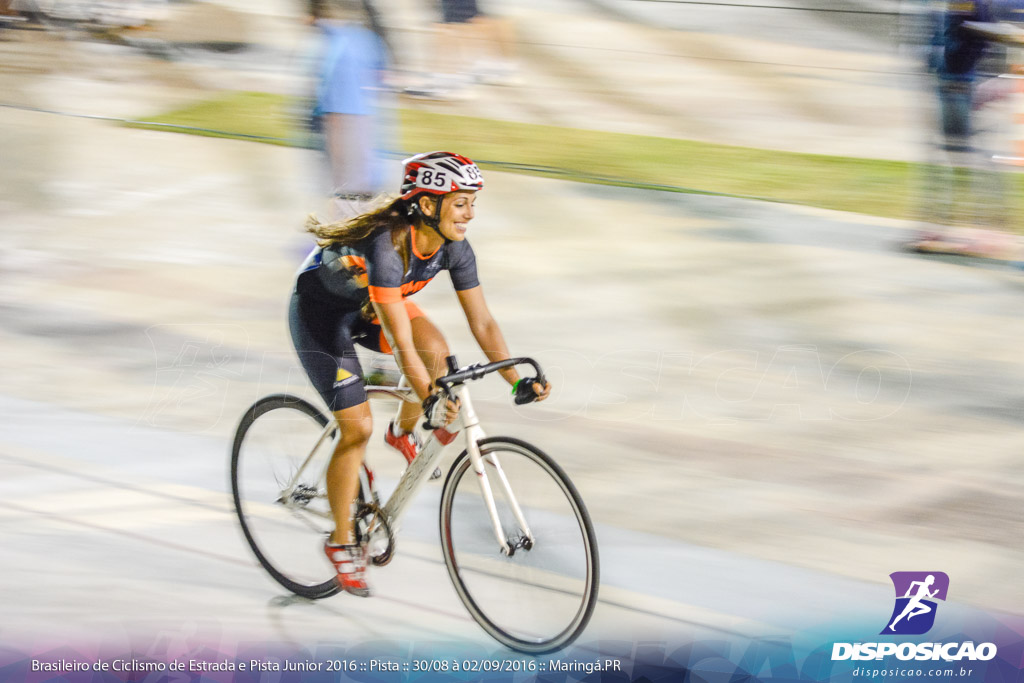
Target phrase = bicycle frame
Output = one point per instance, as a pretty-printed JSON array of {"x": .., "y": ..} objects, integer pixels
[
  {"x": 533, "y": 594},
  {"x": 467, "y": 427}
]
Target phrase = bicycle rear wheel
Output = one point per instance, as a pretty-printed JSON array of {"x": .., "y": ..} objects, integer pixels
[
  {"x": 285, "y": 529},
  {"x": 541, "y": 597}
]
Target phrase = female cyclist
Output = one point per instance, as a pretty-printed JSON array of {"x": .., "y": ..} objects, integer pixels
[{"x": 354, "y": 288}]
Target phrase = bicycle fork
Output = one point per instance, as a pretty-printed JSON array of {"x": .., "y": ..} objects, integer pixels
[{"x": 474, "y": 434}]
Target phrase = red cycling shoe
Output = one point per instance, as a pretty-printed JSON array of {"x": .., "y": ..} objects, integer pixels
[
  {"x": 407, "y": 444},
  {"x": 350, "y": 563}
]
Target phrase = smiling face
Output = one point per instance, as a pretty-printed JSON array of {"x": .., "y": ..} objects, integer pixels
[{"x": 456, "y": 213}]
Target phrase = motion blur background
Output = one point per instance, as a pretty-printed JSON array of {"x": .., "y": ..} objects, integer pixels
[{"x": 693, "y": 219}]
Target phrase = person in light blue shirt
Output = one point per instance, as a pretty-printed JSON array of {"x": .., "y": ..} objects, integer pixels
[{"x": 347, "y": 108}]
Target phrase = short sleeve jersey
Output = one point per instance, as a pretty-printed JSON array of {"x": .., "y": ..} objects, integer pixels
[{"x": 348, "y": 277}]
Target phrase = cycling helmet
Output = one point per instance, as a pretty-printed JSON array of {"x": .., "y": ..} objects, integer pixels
[{"x": 439, "y": 173}]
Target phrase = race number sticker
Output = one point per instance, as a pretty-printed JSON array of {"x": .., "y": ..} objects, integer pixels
[{"x": 429, "y": 178}]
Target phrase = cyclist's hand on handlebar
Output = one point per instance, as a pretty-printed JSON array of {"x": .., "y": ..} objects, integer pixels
[
  {"x": 451, "y": 410},
  {"x": 439, "y": 410},
  {"x": 528, "y": 390}
]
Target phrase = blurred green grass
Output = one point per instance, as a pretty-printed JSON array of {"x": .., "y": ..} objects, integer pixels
[
  {"x": 869, "y": 186},
  {"x": 264, "y": 117}
]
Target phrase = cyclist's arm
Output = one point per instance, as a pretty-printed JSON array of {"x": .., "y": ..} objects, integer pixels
[
  {"x": 384, "y": 274},
  {"x": 394, "y": 320},
  {"x": 488, "y": 334}
]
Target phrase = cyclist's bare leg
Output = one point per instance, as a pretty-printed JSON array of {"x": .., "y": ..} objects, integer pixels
[
  {"x": 433, "y": 350},
  {"x": 343, "y": 471}
]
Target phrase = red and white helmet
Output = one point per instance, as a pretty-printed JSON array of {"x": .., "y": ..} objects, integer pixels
[{"x": 440, "y": 173}]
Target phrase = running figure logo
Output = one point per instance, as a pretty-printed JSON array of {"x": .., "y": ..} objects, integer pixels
[{"x": 916, "y": 593}]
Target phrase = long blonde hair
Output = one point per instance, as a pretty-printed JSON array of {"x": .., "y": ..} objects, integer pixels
[{"x": 392, "y": 217}]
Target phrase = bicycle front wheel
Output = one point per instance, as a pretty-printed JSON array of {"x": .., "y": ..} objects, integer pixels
[
  {"x": 277, "y": 480},
  {"x": 541, "y": 597}
]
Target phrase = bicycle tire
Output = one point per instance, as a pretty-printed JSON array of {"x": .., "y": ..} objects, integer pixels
[
  {"x": 269, "y": 527},
  {"x": 541, "y": 598}
]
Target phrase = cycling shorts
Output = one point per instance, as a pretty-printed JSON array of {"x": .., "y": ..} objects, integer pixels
[{"x": 325, "y": 341}]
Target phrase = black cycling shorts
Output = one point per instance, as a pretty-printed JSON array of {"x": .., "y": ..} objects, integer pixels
[{"x": 325, "y": 340}]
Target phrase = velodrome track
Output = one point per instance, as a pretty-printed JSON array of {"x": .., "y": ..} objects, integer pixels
[{"x": 768, "y": 409}]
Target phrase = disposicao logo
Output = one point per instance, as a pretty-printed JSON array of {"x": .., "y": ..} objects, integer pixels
[
  {"x": 913, "y": 615},
  {"x": 916, "y": 593}
]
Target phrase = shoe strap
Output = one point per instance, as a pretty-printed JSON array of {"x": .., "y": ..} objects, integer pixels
[{"x": 354, "y": 558}]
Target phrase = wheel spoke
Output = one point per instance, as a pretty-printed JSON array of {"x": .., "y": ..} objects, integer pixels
[
  {"x": 284, "y": 520},
  {"x": 541, "y": 597}
]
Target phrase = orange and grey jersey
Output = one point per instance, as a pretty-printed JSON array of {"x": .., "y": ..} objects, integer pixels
[{"x": 347, "y": 277}]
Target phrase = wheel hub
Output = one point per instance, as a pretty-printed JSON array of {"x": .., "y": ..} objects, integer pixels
[{"x": 301, "y": 496}]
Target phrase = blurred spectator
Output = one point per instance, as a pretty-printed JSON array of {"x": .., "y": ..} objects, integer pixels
[
  {"x": 27, "y": 10},
  {"x": 956, "y": 53},
  {"x": 966, "y": 184},
  {"x": 346, "y": 112},
  {"x": 470, "y": 46}
]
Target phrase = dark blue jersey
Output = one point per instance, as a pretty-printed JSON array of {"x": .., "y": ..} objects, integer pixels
[{"x": 348, "y": 277}]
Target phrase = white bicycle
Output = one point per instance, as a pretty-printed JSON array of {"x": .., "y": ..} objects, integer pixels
[{"x": 516, "y": 537}]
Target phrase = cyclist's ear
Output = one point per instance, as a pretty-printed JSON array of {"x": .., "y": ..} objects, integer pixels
[{"x": 427, "y": 202}]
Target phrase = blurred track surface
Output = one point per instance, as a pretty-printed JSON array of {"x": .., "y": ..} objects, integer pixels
[{"x": 766, "y": 408}]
